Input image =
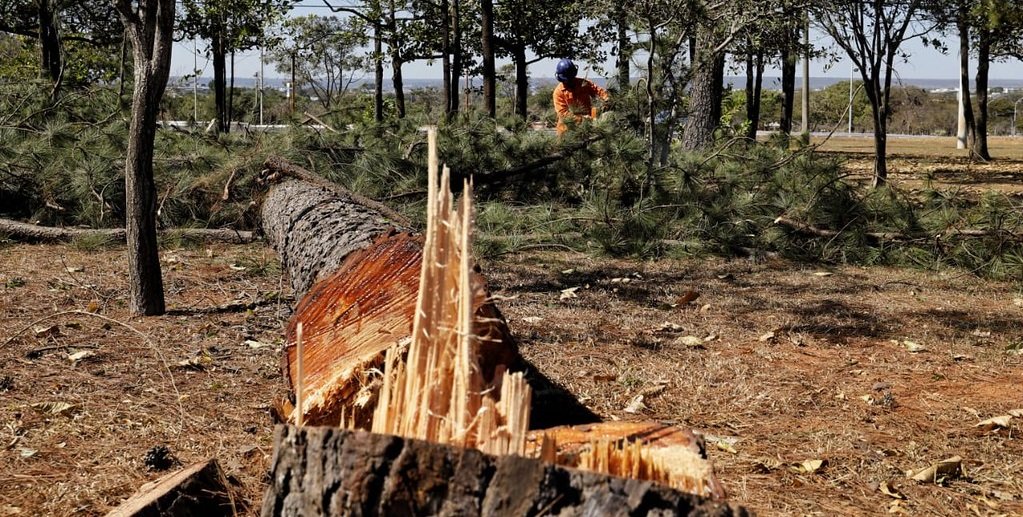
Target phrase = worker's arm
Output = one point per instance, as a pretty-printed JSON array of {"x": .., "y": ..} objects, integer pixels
[{"x": 597, "y": 91}]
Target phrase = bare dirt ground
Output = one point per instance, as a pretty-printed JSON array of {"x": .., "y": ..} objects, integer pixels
[{"x": 873, "y": 371}]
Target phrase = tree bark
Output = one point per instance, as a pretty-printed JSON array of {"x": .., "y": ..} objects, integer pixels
[
  {"x": 329, "y": 471},
  {"x": 456, "y": 59},
  {"x": 489, "y": 67},
  {"x": 220, "y": 80},
  {"x": 754, "y": 86},
  {"x": 964, "y": 78},
  {"x": 445, "y": 59},
  {"x": 378, "y": 73},
  {"x": 878, "y": 110},
  {"x": 983, "y": 67},
  {"x": 230, "y": 96},
  {"x": 788, "y": 81},
  {"x": 49, "y": 40},
  {"x": 521, "y": 81},
  {"x": 623, "y": 60},
  {"x": 150, "y": 26},
  {"x": 705, "y": 95}
]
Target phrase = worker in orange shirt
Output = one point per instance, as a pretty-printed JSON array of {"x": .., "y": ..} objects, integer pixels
[{"x": 573, "y": 97}]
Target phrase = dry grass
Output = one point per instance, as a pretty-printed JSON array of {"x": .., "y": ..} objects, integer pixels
[
  {"x": 916, "y": 162},
  {"x": 124, "y": 401},
  {"x": 776, "y": 402},
  {"x": 796, "y": 396}
]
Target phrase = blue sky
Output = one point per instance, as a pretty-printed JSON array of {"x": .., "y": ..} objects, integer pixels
[{"x": 924, "y": 62}]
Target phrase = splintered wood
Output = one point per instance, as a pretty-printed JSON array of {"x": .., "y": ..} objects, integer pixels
[
  {"x": 677, "y": 467},
  {"x": 439, "y": 392}
]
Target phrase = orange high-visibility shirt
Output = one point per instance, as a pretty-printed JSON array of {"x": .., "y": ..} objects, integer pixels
[{"x": 576, "y": 100}]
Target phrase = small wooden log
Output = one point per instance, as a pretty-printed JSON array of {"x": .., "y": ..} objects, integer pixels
[
  {"x": 200, "y": 489},
  {"x": 329, "y": 471},
  {"x": 34, "y": 233}
]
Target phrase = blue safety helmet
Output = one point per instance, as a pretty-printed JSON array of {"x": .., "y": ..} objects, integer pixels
[{"x": 566, "y": 70}]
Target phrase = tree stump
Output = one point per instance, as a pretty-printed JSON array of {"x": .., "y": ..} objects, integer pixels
[{"x": 330, "y": 471}]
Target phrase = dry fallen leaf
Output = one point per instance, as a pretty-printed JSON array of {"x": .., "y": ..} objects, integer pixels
[
  {"x": 998, "y": 422},
  {"x": 809, "y": 466},
  {"x": 51, "y": 331},
  {"x": 767, "y": 465},
  {"x": 53, "y": 408},
  {"x": 236, "y": 267},
  {"x": 79, "y": 356},
  {"x": 668, "y": 326},
  {"x": 255, "y": 344},
  {"x": 689, "y": 297},
  {"x": 569, "y": 293},
  {"x": 1018, "y": 413},
  {"x": 914, "y": 347},
  {"x": 635, "y": 405},
  {"x": 823, "y": 273},
  {"x": 767, "y": 337},
  {"x": 532, "y": 319},
  {"x": 888, "y": 488},
  {"x": 567, "y": 271},
  {"x": 938, "y": 472},
  {"x": 690, "y": 341}
]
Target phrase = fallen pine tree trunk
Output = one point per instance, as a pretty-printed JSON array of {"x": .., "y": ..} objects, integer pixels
[
  {"x": 330, "y": 471},
  {"x": 34, "y": 233},
  {"x": 354, "y": 265},
  {"x": 436, "y": 393}
]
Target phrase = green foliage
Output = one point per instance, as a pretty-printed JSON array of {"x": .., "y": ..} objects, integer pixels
[{"x": 325, "y": 53}]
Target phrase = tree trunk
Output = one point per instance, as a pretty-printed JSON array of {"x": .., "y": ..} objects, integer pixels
[
  {"x": 456, "y": 58},
  {"x": 26, "y": 232},
  {"x": 705, "y": 95},
  {"x": 355, "y": 266},
  {"x": 788, "y": 85},
  {"x": 398, "y": 83},
  {"x": 49, "y": 40},
  {"x": 878, "y": 111},
  {"x": 983, "y": 66},
  {"x": 330, "y": 471},
  {"x": 489, "y": 67},
  {"x": 623, "y": 60},
  {"x": 230, "y": 96},
  {"x": 220, "y": 81},
  {"x": 754, "y": 112},
  {"x": 445, "y": 59},
  {"x": 151, "y": 38},
  {"x": 378, "y": 74},
  {"x": 964, "y": 82},
  {"x": 521, "y": 81}
]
